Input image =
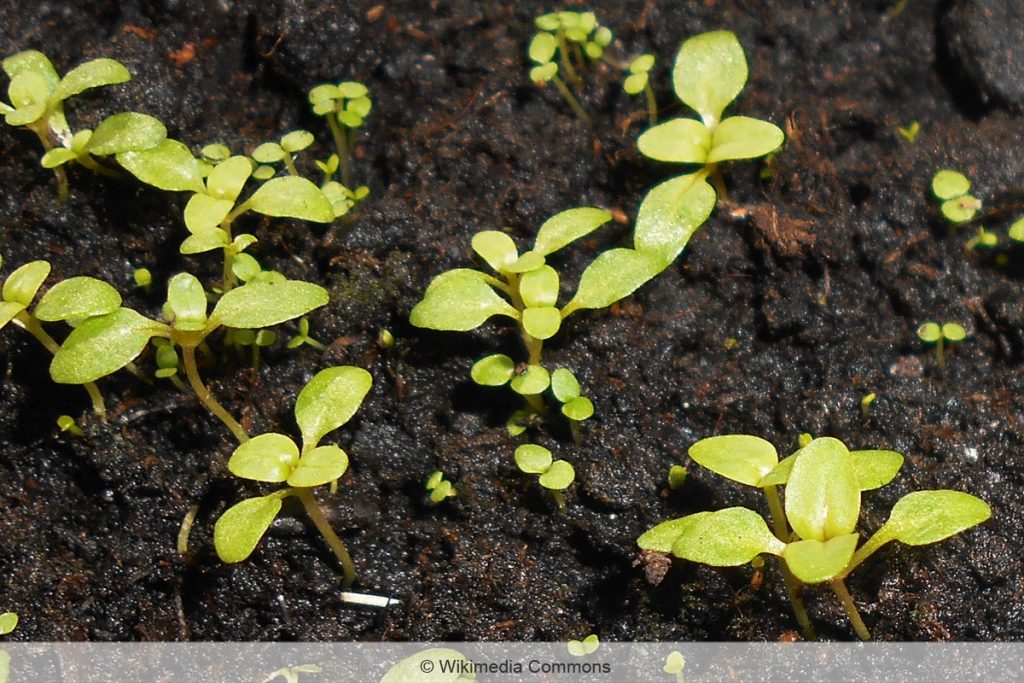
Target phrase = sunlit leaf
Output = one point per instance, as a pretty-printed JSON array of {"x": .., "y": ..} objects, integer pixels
[
  {"x": 239, "y": 530},
  {"x": 329, "y": 400}
]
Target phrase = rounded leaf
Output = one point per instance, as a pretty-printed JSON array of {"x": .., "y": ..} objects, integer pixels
[
  {"x": 542, "y": 47},
  {"x": 681, "y": 141},
  {"x": 9, "y": 309},
  {"x": 126, "y": 132},
  {"x": 709, "y": 72},
  {"x": 741, "y": 137},
  {"x": 567, "y": 227},
  {"x": 929, "y": 332},
  {"x": 319, "y": 466},
  {"x": 102, "y": 345},
  {"x": 296, "y": 141},
  {"x": 496, "y": 248},
  {"x": 1017, "y": 230},
  {"x": 35, "y": 61},
  {"x": 21, "y": 285},
  {"x": 960, "y": 209},
  {"x": 558, "y": 477},
  {"x": 292, "y": 197},
  {"x": 92, "y": 74},
  {"x": 641, "y": 64},
  {"x": 779, "y": 474},
  {"x": 329, "y": 400},
  {"x": 203, "y": 241},
  {"x": 670, "y": 214},
  {"x": 954, "y": 332},
  {"x": 875, "y": 469},
  {"x": 662, "y": 537},
  {"x": 530, "y": 260},
  {"x": 459, "y": 300},
  {"x": 539, "y": 287},
  {"x": 204, "y": 213},
  {"x": 268, "y": 153},
  {"x": 228, "y": 177},
  {"x": 635, "y": 83},
  {"x": 578, "y": 409},
  {"x": 725, "y": 538},
  {"x": 168, "y": 166},
  {"x": 77, "y": 298},
  {"x": 822, "y": 494},
  {"x": 352, "y": 90},
  {"x": 57, "y": 157},
  {"x": 948, "y": 184},
  {"x": 564, "y": 385},
  {"x": 268, "y": 457},
  {"x": 186, "y": 301},
  {"x": 533, "y": 459},
  {"x": 817, "y": 561},
  {"x": 742, "y": 458},
  {"x": 8, "y": 622},
  {"x": 239, "y": 530},
  {"x": 534, "y": 380},
  {"x": 613, "y": 275},
  {"x": 263, "y": 304},
  {"x": 926, "y": 517},
  {"x": 542, "y": 322},
  {"x": 542, "y": 73},
  {"x": 493, "y": 371}
]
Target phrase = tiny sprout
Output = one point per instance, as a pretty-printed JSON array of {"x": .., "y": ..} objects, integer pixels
[
  {"x": 385, "y": 339},
  {"x": 8, "y": 622},
  {"x": 674, "y": 664},
  {"x": 555, "y": 475},
  {"x": 984, "y": 238},
  {"x": 866, "y": 401},
  {"x": 639, "y": 81},
  {"x": 302, "y": 337},
  {"x": 574, "y": 38},
  {"x": 804, "y": 439},
  {"x": 933, "y": 333},
  {"x": 676, "y": 477},
  {"x": 1017, "y": 230},
  {"x": 581, "y": 648},
  {"x": 142, "y": 278},
  {"x": 283, "y": 151},
  {"x": 345, "y": 106},
  {"x": 951, "y": 188},
  {"x": 909, "y": 132},
  {"x": 67, "y": 424},
  {"x": 439, "y": 487},
  {"x": 814, "y": 534}
]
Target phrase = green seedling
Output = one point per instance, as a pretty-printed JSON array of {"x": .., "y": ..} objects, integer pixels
[
  {"x": 345, "y": 106},
  {"x": 582, "y": 648},
  {"x": 302, "y": 337},
  {"x": 674, "y": 665},
  {"x": 142, "y": 278},
  {"x": 326, "y": 403},
  {"x": 639, "y": 81},
  {"x": 984, "y": 239},
  {"x": 37, "y": 95},
  {"x": 814, "y": 534},
  {"x": 67, "y": 425},
  {"x": 952, "y": 189},
  {"x": 104, "y": 344},
  {"x": 709, "y": 73},
  {"x": 525, "y": 288},
  {"x": 385, "y": 339},
  {"x": 933, "y": 333},
  {"x": 290, "y": 674},
  {"x": 439, "y": 487},
  {"x": 283, "y": 151},
  {"x": 8, "y": 622},
  {"x": 75, "y": 301},
  {"x": 1017, "y": 230},
  {"x": 553, "y": 475},
  {"x": 676, "y": 477},
  {"x": 866, "y": 401},
  {"x": 909, "y": 132},
  {"x": 563, "y": 44}
]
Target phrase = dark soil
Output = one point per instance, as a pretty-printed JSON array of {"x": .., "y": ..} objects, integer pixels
[{"x": 799, "y": 296}]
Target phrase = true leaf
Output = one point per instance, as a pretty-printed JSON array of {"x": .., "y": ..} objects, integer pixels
[
  {"x": 496, "y": 248},
  {"x": 926, "y": 517},
  {"x": 558, "y": 477},
  {"x": 319, "y": 466},
  {"x": 268, "y": 457},
  {"x": 292, "y": 197},
  {"x": 263, "y": 304},
  {"x": 228, "y": 177},
  {"x": 670, "y": 214},
  {"x": 459, "y": 300},
  {"x": 239, "y": 530},
  {"x": 56, "y": 157},
  {"x": 125, "y": 132},
  {"x": 530, "y": 260},
  {"x": 779, "y": 474},
  {"x": 822, "y": 494},
  {"x": 204, "y": 213},
  {"x": 203, "y": 241},
  {"x": 103, "y": 345},
  {"x": 725, "y": 538},
  {"x": 875, "y": 469},
  {"x": 9, "y": 309},
  {"x": 739, "y": 457},
  {"x": 21, "y": 285},
  {"x": 493, "y": 371},
  {"x": 92, "y": 74},
  {"x": 329, "y": 400},
  {"x": 186, "y": 300},
  {"x": 32, "y": 61},
  {"x": 533, "y": 459},
  {"x": 542, "y": 322},
  {"x": 539, "y": 287},
  {"x": 709, "y": 72},
  {"x": 75, "y": 298},
  {"x": 568, "y": 226},
  {"x": 817, "y": 561},
  {"x": 741, "y": 137},
  {"x": 613, "y": 275},
  {"x": 168, "y": 166},
  {"x": 662, "y": 537},
  {"x": 681, "y": 141}
]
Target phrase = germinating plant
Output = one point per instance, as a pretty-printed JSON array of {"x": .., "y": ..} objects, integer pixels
[
  {"x": 554, "y": 475},
  {"x": 952, "y": 188},
  {"x": 345, "y": 106},
  {"x": 37, "y": 94},
  {"x": 639, "y": 81},
  {"x": 560, "y": 50},
  {"x": 814, "y": 531},
  {"x": 439, "y": 488},
  {"x": 326, "y": 403},
  {"x": 940, "y": 335}
]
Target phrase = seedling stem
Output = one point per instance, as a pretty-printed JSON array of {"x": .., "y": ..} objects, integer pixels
[
  {"x": 577, "y": 108},
  {"x": 324, "y": 527},
  {"x": 188, "y": 356},
  {"x": 839, "y": 588}
]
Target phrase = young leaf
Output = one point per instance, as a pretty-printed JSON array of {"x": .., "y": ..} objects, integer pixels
[
  {"x": 817, "y": 561},
  {"x": 77, "y": 298},
  {"x": 35, "y": 62},
  {"x": 530, "y": 260},
  {"x": 822, "y": 494},
  {"x": 204, "y": 213},
  {"x": 681, "y": 141},
  {"x": 264, "y": 304},
  {"x": 779, "y": 474},
  {"x": 739, "y": 457},
  {"x": 670, "y": 214},
  {"x": 459, "y": 300},
  {"x": 125, "y": 132},
  {"x": 227, "y": 178},
  {"x": 21, "y": 285},
  {"x": 579, "y": 409},
  {"x": 741, "y": 137},
  {"x": 268, "y": 457},
  {"x": 204, "y": 240},
  {"x": 319, "y": 466},
  {"x": 329, "y": 400},
  {"x": 296, "y": 141},
  {"x": 493, "y": 371},
  {"x": 239, "y": 530},
  {"x": 558, "y": 477},
  {"x": 496, "y": 248},
  {"x": 9, "y": 309},
  {"x": 168, "y": 166},
  {"x": 57, "y": 157},
  {"x": 292, "y": 197},
  {"x": 93, "y": 74},
  {"x": 539, "y": 287},
  {"x": 542, "y": 322},
  {"x": 929, "y": 332},
  {"x": 725, "y": 538},
  {"x": 954, "y": 332},
  {"x": 533, "y": 381},
  {"x": 875, "y": 469},
  {"x": 564, "y": 385},
  {"x": 567, "y": 227},
  {"x": 613, "y": 275},
  {"x": 103, "y": 345},
  {"x": 662, "y": 537},
  {"x": 924, "y": 517},
  {"x": 186, "y": 300},
  {"x": 709, "y": 72},
  {"x": 542, "y": 48},
  {"x": 268, "y": 153},
  {"x": 948, "y": 184},
  {"x": 533, "y": 459}
]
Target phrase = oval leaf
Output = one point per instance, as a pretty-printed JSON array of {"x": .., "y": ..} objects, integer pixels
[
  {"x": 239, "y": 530},
  {"x": 682, "y": 141},
  {"x": 741, "y": 137},
  {"x": 268, "y": 457},
  {"x": 9, "y": 309},
  {"x": 662, "y": 537},
  {"x": 168, "y": 166},
  {"x": 102, "y": 345},
  {"x": 319, "y": 466},
  {"x": 493, "y": 371},
  {"x": 948, "y": 184},
  {"x": 579, "y": 409},
  {"x": 725, "y": 538},
  {"x": 459, "y": 300},
  {"x": 21, "y": 285},
  {"x": 329, "y": 400},
  {"x": 539, "y": 287},
  {"x": 292, "y": 197},
  {"x": 709, "y": 72},
  {"x": 533, "y": 381},
  {"x": 227, "y": 178},
  {"x": 533, "y": 459},
  {"x": 496, "y": 248},
  {"x": 204, "y": 213},
  {"x": 739, "y": 457},
  {"x": 263, "y": 304},
  {"x": 568, "y": 226},
  {"x": 779, "y": 474},
  {"x": 817, "y": 561},
  {"x": 670, "y": 214},
  {"x": 875, "y": 469},
  {"x": 92, "y": 74},
  {"x": 926, "y": 517},
  {"x": 613, "y": 275},
  {"x": 822, "y": 494},
  {"x": 77, "y": 298},
  {"x": 564, "y": 385},
  {"x": 558, "y": 477},
  {"x": 542, "y": 322},
  {"x": 126, "y": 132}
]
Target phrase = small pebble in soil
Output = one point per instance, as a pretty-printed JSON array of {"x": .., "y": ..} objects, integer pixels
[{"x": 971, "y": 454}]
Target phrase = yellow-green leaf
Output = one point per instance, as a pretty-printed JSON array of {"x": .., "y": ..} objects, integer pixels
[
  {"x": 739, "y": 457},
  {"x": 292, "y": 197},
  {"x": 77, "y": 298},
  {"x": 741, "y": 137},
  {"x": 319, "y": 466},
  {"x": 268, "y": 457},
  {"x": 92, "y": 74},
  {"x": 822, "y": 494},
  {"x": 670, "y": 214},
  {"x": 103, "y": 345},
  {"x": 21, "y": 285},
  {"x": 263, "y": 304},
  {"x": 709, "y": 72},
  {"x": 329, "y": 400},
  {"x": 814, "y": 561},
  {"x": 567, "y": 227},
  {"x": 459, "y": 300},
  {"x": 725, "y": 538},
  {"x": 239, "y": 530},
  {"x": 681, "y": 141}
]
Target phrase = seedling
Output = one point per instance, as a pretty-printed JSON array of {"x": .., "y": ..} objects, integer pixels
[
  {"x": 676, "y": 477},
  {"x": 283, "y": 151},
  {"x": 302, "y": 337},
  {"x": 952, "y": 189},
  {"x": 582, "y": 648},
  {"x": 639, "y": 81},
  {"x": 563, "y": 44},
  {"x": 37, "y": 95},
  {"x": 67, "y": 425},
  {"x": 710, "y": 71},
  {"x": 345, "y": 106},
  {"x": 554, "y": 475},
  {"x": 866, "y": 401},
  {"x": 933, "y": 333},
  {"x": 984, "y": 238},
  {"x": 439, "y": 487},
  {"x": 104, "y": 344},
  {"x": 525, "y": 289},
  {"x": 910, "y": 132},
  {"x": 815, "y": 532},
  {"x": 674, "y": 665},
  {"x": 8, "y": 622},
  {"x": 326, "y": 403},
  {"x": 142, "y": 278}
]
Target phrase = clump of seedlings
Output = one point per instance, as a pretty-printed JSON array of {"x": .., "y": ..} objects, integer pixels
[
  {"x": 345, "y": 106},
  {"x": 326, "y": 403},
  {"x": 814, "y": 532},
  {"x": 37, "y": 94},
  {"x": 560, "y": 50},
  {"x": 439, "y": 488},
  {"x": 554, "y": 475},
  {"x": 940, "y": 335}
]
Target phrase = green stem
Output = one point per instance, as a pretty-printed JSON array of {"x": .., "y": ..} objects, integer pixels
[
  {"x": 865, "y": 551},
  {"x": 341, "y": 144},
  {"x": 940, "y": 355},
  {"x": 289, "y": 164},
  {"x": 228, "y": 280},
  {"x": 652, "y": 105},
  {"x": 839, "y": 588},
  {"x": 188, "y": 354},
  {"x": 573, "y": 102},
  {"x": 324, "y": 527},
  {"x": 58, "y": 171},
  {"x": 563, "y": 56},
  {"x": 793, "y": 585}
]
